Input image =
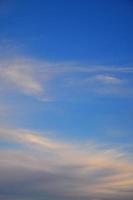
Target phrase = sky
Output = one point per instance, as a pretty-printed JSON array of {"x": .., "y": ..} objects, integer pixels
[{"x": 66, "y": 100}]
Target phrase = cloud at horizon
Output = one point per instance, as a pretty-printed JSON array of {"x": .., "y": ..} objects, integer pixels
[{"x": 37, "y": 165}]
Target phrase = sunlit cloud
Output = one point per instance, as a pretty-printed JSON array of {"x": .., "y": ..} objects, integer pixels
[{"x": 62, "y": 169}]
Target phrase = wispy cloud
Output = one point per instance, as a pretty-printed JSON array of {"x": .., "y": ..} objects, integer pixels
[
  {"x": 106, "y": 79},
  {"x": 43, "y": 167},
  {"x": 21, "y": 75},
  {"x": 51, "y": 80}
]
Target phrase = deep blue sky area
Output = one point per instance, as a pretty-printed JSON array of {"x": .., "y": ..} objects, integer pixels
[{"x": 89, "y": 30}]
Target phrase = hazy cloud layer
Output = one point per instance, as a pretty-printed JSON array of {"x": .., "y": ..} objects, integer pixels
[{"x": 33, "y": 166}]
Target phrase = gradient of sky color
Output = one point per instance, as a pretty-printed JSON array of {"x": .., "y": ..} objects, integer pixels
[{"x": 66, "y": 79}]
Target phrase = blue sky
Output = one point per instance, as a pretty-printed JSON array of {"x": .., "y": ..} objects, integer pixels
[{"x": 66, "y": 79}]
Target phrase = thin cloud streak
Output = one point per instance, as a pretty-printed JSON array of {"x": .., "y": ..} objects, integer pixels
[{"x": 106, "y": 79}]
